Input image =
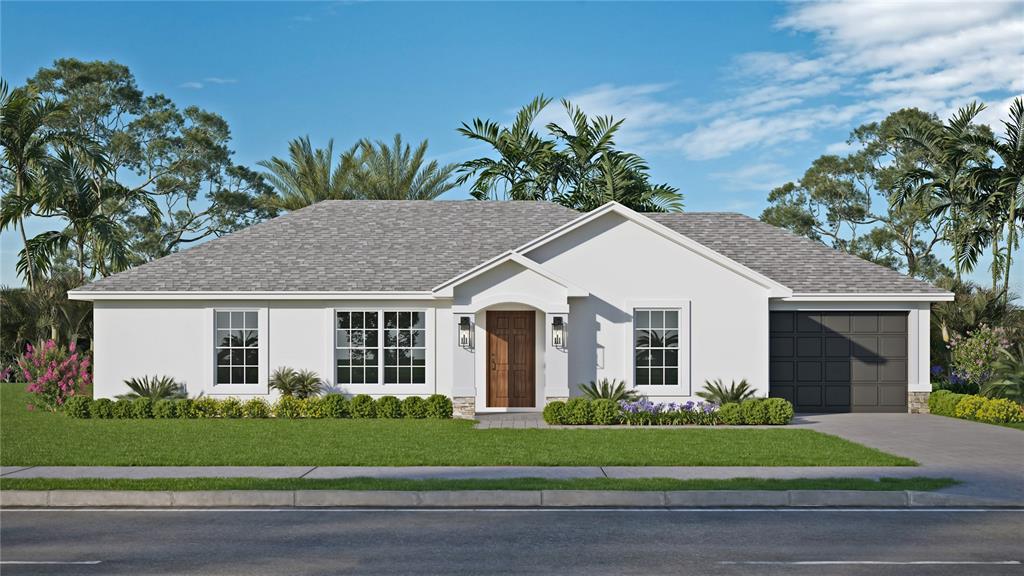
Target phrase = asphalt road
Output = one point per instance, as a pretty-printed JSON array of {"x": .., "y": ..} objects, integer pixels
[{"x": 512, "y": 542}]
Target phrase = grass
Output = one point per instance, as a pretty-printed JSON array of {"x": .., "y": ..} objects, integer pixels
[
  {"x": 45, "y": 439},
  {"x": 1017, "y": 425},
  {"x": 633, "y": 484}
]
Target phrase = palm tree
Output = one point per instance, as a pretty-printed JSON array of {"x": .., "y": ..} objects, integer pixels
[
  {"x": 26, "y": 147},
  {"x": 308, "y": 176},
  {"x": 1005, "y": 184},
  {"x": 944, "y": 183},
  {"x": 398, "y": 172},
  {"x": 521, "y": 171}
]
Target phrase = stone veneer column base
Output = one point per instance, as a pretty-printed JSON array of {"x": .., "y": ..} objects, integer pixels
[
  {"x": 551, "y": 399},
  {"x": 464, "y": 407},
  {"x": 917, "y": 402}
]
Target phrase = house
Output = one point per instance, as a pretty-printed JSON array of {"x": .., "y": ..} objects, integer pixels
[{"x": 505, "y": 306}]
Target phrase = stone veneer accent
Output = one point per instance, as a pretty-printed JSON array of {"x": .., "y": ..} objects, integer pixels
[
  {"x": 464, "y": 407},
  {"x": 551, "y": 399},
  {"x": 917, "y": 402}
]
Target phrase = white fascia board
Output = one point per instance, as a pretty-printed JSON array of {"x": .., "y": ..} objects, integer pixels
[
  {"x": 447, "y": 289},
  {"x": 870, "y": 297},
  {"x": 98, "y": 295},
  {"x": 775, "y": 289}
]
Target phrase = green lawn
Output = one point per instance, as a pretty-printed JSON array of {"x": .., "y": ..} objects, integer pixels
[
  {"x": 634, "y": 484},
  {"x": 45, "y": 439},
  {"x": 1017, "y": 425}
]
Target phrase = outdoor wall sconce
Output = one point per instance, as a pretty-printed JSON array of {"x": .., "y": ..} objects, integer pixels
[
  {"x": 465, "y": 332},
  {"x": 558, "y": 332}
]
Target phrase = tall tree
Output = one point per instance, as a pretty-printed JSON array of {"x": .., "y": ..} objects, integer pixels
[
  {"x": 579, "y": 167},
  {"x": 309, "y": 175},
  {"x": 846, "y": 201},
  {"x": 397, "y": 172}
]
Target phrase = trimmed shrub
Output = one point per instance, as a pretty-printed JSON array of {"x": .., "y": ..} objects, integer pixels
[
  {"x": 605, "y": 411},
  {"x": 754, "y": 412},
  {"x": 163, "y": 409},
  {"x": 943, "y": 402},
  {"x": 578, "y": 411},
  {"x": 999, "y": 411},
  {"x": 142, "y": 408},
  {"x": 313, "y": 407},
  {"x": 231, "y": 408},
  {"x": 77, "y": 406},
  {"x": 256, "y": 408},
  {"x": 363, "y": 406},
  {"x": 968, "y": 407},
  {"x": 288, "y": 407},
  {"x": 206, "y": 407},
  {"x": 439, "y": 407},
  {"x": 122, "y": 409},
  {"x": 780, "y": 411},
  {"x": 414, "y": 407},
  {"x": 554, "y": 412},
  {"x": 334, "y": 406},
  {"x": 184, "y": 408},
  {"x": 389, "y": 407},
  {"x": 730, "y": 413},
  {"x": 102, "y": 408}
]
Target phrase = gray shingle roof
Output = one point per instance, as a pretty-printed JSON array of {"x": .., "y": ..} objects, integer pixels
[
  {"x": 803, "y": 265},
  {"x": 369, "y": 246}
]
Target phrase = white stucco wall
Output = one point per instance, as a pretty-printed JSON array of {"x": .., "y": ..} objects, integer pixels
[
  {"x": 175, "y": 338},
  {"x": 625, "y": 265}
]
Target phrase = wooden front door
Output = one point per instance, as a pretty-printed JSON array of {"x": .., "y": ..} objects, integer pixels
[{"x": 511, "y": 375}]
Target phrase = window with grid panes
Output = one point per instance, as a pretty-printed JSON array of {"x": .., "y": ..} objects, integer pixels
[
  {"x": 237, "y": 346},
  {"x": 405, "y": 348},
  {"x": 656, "y": 346},
  {"x": 357, "y": 341}
]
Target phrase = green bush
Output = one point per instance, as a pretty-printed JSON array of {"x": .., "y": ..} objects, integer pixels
[
  {"x": 206, "y": 407},
  {"x": 999, "y": 411},
  {"x": 389, "y": 407},
  {"x": 968, "y": 407},
  {"x": 288, "y": 407},
  {"x": 943, "y": 402},
  {"x": 101, "y": 408},
  {"x": 78, "y": 406},
  {"x": 256, "y": 408},
  {"x": 605, "y": 411},
  {"x": 730, "y": 413},
  {"x": 754, "y": 412},
  {"x": 184, "y": 408},
  {"x": 142, "y": 408},
  {"x": 163, "y": 408},
  {"x": 439, "y": 407},
  {"x": 123, "y": 409},
  {"x": 313, "y": 407},
  {"x": 334, "y": 406},
  {"x": 414, "y": 407},
  {"x": 230, "y": 408},
  {"x": 578, "y": 412},
  {"x": 554, "y": 412},
  {"x": 780, "y": 411},
  {"x": 363, "y": 406}
]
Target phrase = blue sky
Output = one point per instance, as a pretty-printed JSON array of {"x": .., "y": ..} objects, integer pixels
[{"x": 725, "y": 100}]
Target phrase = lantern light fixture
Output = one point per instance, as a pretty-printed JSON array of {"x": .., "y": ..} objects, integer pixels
[
  {"x": 465, "y": 331},
  {"x": 558, "y": 332}
]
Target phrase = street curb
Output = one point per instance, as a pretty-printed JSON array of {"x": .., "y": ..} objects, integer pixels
[{"x": 492, "y": 499}]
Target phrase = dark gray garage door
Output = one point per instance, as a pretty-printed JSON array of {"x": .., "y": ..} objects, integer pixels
[{"x": 839, "y": 361}]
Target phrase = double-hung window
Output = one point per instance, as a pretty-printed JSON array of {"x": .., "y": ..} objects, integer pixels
[
  {"x": 380, "y": 347},
  {"x": 656, "y": 346},
  {"x": 236, "y": 340}
]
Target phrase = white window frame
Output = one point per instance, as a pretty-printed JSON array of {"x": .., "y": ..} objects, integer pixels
[
  {"x": 380, "y": 387},
  {"x": 262, "y": 334},
  {"x": 683, "y": 386}
]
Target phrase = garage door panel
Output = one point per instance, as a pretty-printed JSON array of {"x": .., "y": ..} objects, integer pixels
[
  {"x": 893, "y": 371},
  {"x": 839, "y": 361},
  {"x": 808, "y": 347}
]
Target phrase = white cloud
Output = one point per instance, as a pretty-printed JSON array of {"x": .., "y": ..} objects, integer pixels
[
  {"x": 754, "y": 178},
  {"x": 192, "y": 85}
]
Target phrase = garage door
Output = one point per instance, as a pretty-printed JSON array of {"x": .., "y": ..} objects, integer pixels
[{"x": 839, "y": 361}]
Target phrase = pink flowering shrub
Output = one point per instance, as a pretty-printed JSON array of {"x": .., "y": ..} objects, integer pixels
[
  {"x": 54, "y": 374},
  {"x": 972, "y": 357}
]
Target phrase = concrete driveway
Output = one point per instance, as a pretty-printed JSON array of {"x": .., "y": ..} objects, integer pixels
[{"x": 988, "y": 459}]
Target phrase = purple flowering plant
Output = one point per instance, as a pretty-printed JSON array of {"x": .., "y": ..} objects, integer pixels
[
  {"x": 643, "y": 412},
  {"x": 54, "y": 374}
]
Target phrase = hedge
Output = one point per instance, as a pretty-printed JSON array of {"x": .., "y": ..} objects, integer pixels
[
  {"x": 584, "y": 411},
  {"x": 975, "y": 407},
  {"x": 436, "y": 406}
]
